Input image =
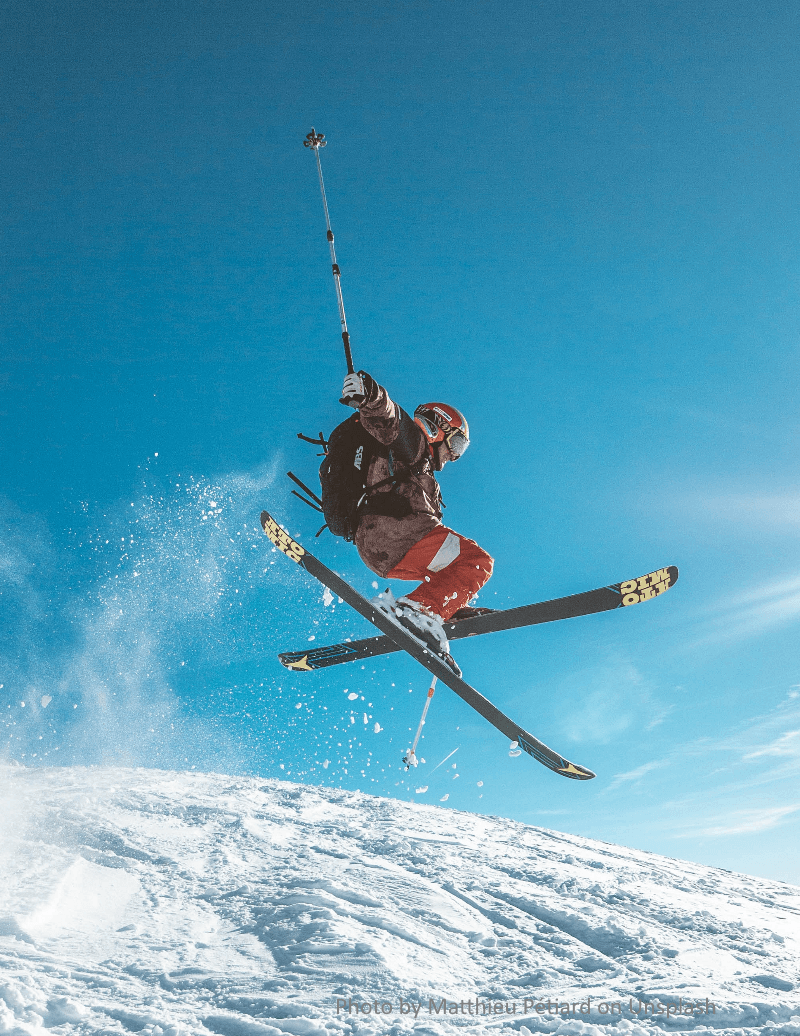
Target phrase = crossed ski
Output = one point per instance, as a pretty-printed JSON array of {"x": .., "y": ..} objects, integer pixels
[
  {"x": 605, "y": 598},
  {"x": 397, "y": 639}
]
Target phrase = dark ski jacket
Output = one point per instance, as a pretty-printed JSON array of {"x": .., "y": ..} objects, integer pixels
[{"x": 381, "y": 540}]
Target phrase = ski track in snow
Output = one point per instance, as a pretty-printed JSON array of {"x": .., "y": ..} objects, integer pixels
[{"x": 182, "y": 903}]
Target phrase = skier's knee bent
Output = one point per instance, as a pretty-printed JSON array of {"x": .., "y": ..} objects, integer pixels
[{"x": 452, "y": 569}]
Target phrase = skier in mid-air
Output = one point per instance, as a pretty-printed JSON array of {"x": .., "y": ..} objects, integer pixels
[
  {"x": 400, "y": 534},
  {"x": 379, "y": 490}
]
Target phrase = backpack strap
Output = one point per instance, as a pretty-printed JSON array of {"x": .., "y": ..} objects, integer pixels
[{"x": 393, "y": 480}]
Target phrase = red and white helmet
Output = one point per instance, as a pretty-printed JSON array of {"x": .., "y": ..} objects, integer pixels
[{"x": 441, "y": 422}]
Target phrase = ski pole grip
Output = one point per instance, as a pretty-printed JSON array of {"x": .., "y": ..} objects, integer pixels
[{"x": 347, "y": 354}]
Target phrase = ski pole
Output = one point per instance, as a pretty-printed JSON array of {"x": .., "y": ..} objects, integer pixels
[
  {"x": 316, "y": 141},
  {"x": 411, "y": 759}
]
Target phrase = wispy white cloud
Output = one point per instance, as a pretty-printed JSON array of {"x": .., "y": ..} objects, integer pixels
[
  {"x": 768, "y": 591},
  {"x": 610, "y": 700},
  {"x": 745, "y": 515},
  {"x": 763, "y": 607},
  {"x": 749, "y": 821},
  {"x": 752, "y": 734},
  {"x": 754, "y": 790},
  {"x": 635, "y": 775},
  {"x": 767, "y": 510},
  {"x": 787, "y": 744}
]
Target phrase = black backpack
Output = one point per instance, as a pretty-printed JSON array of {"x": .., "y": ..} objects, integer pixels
[{"x": 343, "y": 476}]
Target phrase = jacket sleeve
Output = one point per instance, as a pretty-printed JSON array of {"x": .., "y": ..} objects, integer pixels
[{"x": 390, "y": 424}]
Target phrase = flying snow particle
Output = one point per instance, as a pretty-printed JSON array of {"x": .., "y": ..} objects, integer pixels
[
  {"x": 352, "y": 696},
  {"x": 326, "y": 764},
  {"x": 422, "y": 790},
  {"x": 377, "y": 728},
  {"x": 46, "y": 699},
  {"x": 480, "y": 784},
  {"x": 445, "y": 797},
  {"x": 327, "y": 597},
  {"x": 374, "y": 585}
]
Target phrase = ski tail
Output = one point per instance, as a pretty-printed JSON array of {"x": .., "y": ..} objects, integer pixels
[{"x": 564, "y": 766}]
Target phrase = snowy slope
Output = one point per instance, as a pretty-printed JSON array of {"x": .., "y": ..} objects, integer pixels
[{"x": 145, "y": 901}]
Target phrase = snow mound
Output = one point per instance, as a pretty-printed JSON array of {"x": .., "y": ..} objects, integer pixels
[{"x": 186, "y": 903}]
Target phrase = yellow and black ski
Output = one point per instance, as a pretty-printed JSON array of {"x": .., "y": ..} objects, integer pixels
[
  {"x": 405, "y": 642},
  {"x": 605, "y": 598}
]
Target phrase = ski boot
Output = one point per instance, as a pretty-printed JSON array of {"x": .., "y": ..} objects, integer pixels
[{"x": 425, "y": 627}]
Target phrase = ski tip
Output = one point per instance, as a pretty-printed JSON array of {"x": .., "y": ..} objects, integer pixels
[
  {"x": 576, "y": 772},
  {"x": 296, "y": 663},
  {"x": 644, "y": 588},
  {"x": 282, "y": 540},
  {"x": 552, "y": 760}
]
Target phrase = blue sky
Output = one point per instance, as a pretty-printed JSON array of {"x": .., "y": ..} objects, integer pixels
[{"x": 576, "y": 223}]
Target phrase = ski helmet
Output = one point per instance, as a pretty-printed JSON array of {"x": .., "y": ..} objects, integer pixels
[{"x": 441, "y": 422}]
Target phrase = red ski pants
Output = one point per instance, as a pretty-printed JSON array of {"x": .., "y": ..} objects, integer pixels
[{"x": 453, "y": 569}]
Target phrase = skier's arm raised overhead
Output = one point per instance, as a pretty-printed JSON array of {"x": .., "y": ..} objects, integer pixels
[{"x": 384, "y": 419}]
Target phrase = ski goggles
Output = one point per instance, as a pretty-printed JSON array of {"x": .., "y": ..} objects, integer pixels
[{"x": 456, "y": 442}]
